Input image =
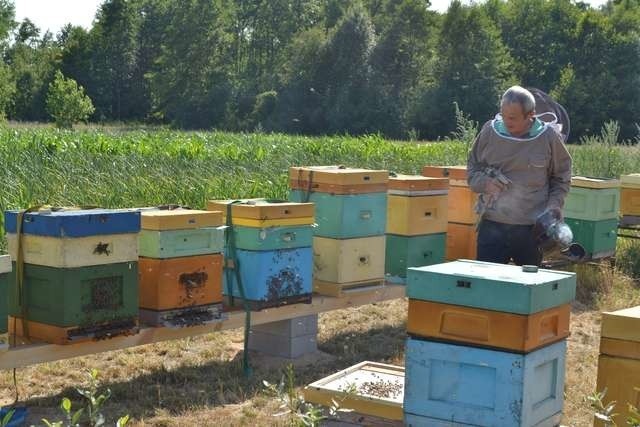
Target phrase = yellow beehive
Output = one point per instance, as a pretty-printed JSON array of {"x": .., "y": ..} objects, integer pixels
[
  {"x": 417, "y": 215},
  {"x": 263, "y": 213},
  {"x": 348, "y": 260},
  {"x": 179, "y": 219},
  {"x": 619, "y": 361}
]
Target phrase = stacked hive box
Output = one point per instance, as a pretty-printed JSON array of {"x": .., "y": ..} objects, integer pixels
[
  {"x": 273, "y": 252},
  {"x": 416, "y": 224},
  {"x": 80, "y": 277},
  {"x": 5, "y": 267},
  {"x": 351, "y": 216},
  {"x": 591, "y": 210},
  {"x": 630, "y": 199},
  {"x": 619, "y": 361},
  {"x": 486, "y": 345},
  {"x": 462, "y": 235},
  {"x": 180, "y": 267}
]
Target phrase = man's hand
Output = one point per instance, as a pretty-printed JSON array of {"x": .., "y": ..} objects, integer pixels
[
  {"x": 556, "y": 213},
  {"x": 493, "y": 187}
]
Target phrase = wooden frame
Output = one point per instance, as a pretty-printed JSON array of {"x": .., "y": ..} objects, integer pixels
[{"x": 31, "y": 354}]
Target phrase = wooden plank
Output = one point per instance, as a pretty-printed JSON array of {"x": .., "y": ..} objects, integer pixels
[{"x": 32, "y": 354}]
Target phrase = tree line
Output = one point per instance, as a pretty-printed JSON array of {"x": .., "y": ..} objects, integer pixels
[{"x": 329, "y": 66}]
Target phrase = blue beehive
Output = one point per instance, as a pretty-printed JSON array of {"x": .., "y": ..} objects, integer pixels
[
  {"x": 345, "y": 216},
  {"x": 272, "y": 278},
  {"x": 471, "y": 386},
  {"x": 75, "y": 222},
  {"x": 498, "y": 287}
]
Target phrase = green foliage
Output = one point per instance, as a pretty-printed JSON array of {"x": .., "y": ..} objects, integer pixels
[
  {"x": 66, "y": 102},
  {"x": 293, "y": 405},
  {"x": 92, "y": 413},
  {"x": 7, "y": 418},
  {"x": 604, "y": 412}
]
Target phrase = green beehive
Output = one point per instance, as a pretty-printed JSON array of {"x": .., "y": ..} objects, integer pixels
[
  {"x": 5, "y": 268},
  {"x": 84, "y": 296},
  {"x": 412, "y": 251},
  {"x": 592, "y": 199},
  {"x": 273, "y": 238},
  {"x": 497, "y": 287},
  {"x": 181, "y": 243},
  {"x": 597, "y": 237}
]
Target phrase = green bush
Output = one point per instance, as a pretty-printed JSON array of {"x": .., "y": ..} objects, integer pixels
[{"x": 66, "y": 102}]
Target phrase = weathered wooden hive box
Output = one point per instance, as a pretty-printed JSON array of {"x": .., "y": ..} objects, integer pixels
[
  {"x": 447, "y": 384},
  {"x": 351, "y": 217},
  {"x": 273, "y": 251},
  {"x": 5, "y": 269},
  {"x": 416, "y": 223},
  {"x": 341, "y": 214},
  {"x": 488, "y": 328},
  {"x": 630, "y": 194},
  {"x": 498, "y": 287},
  {"x": 462, "y": 241},
  {"x": 80, "y": 273},
  {"x": 619, "y": 360},
  {"x": 403, "y": 252},
  {"x": 180, "y": 233},
  {"x": 181, "y": 266},
  {"x": 592, "y": 199},
  {"x": 486, "y": 344},
  {"x": 417, "y": 205},
  {"x": 591, "y": 211},
  {"x": 461, "y": 215}
]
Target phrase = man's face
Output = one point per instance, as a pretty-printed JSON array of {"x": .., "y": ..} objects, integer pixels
[{"x": 516, "y": 122}]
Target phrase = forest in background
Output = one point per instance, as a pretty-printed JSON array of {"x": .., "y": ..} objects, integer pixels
[{"x": 391, "y": 67}]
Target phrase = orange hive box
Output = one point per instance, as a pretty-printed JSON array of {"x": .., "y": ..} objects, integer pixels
[
  {"x": 171, "y": 283},
  {"x": 457, "y": 174},
  {"x": 263, "y": 209},
  {"x": 62, "y": 335},
  {"x": 461, "y": 241},
  {"x": 338, "y": 175},
  {"x": 488, "y": 328},
  {"x": 417, "y": 183}
]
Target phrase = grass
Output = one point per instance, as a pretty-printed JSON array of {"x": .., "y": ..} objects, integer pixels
[{"x": 199, "y": 381}]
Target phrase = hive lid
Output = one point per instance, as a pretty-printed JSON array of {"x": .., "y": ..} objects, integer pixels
[
  {"x": 590, "y": 182},
  {"x": 179, "y": 219},
  {"x": 622, "y": 324},
  {"x": 264, "y": 209},
  {"x": 5, "y": 264},
  {"x": 417, "y": 183},
  {"x": 376, "y": 389},
  {"x": 456, "y": 174},
  {"x": 338, "y": 174},
  {"x": 630, "y": 181},
  {"x": 495, "y": 272}
]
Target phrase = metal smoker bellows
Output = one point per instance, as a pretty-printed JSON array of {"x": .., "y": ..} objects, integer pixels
[{"x": 552, "y": 234}]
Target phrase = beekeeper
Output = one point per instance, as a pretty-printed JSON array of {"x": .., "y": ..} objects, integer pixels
[{"x": 520, "y": 167}]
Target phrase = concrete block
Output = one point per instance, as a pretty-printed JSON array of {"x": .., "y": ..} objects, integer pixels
[
  {"x": 277, "y": 345},
  {"x": 290, "y": 328}
]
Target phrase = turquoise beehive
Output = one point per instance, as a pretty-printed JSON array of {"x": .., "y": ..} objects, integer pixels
[
  {"x": 181, "y": 243},
  {"x": 491, "y": 286}
]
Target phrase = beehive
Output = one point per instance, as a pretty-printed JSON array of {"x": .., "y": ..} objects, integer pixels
[
  {"x": 75, "y": 223},
  {"x": 416, "y": 185},
  {"x": 480, "y": 387},
  {"x": 5, "y": 269},
  {"x": 76, "y": 297},
  {"x": 462, "y": 241},
  {"x": 412, "y": 251},
  {"x": 65, "y": 252},
  {"x": 619, "y": 361},
  {"x": 630, "y": 195},
  {"x": 490, "y": 286},
  {"x": 61, "y": 335},
  {"x": 336, "y": 175},
  {"x": 597, "y": 237},
  {"x": 264, "y": 212},
  {"x": 272, "y": 238},
  {"x": 411, "y": 420},
  {"x": 181, "y": 243},
  {"x": 347, "y": 215},
  {"x": 592, "y": 199},
  {"x": 491, "y": 329},
  {"x": 417, "y": 215},
  {"x": 348, "y": 260},
  {"x": 180, "y": 219},
  {"x": 169, "y": 284},
  {"x": 272, "y": 278}
]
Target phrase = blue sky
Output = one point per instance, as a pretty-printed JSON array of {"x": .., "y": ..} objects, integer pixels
[{"x": 53, "y": 14}]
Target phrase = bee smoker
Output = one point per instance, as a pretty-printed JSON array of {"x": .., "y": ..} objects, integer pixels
[{"x": 554, "y": 235}]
